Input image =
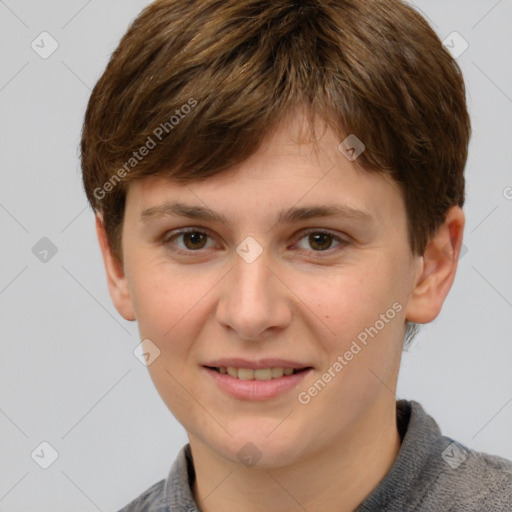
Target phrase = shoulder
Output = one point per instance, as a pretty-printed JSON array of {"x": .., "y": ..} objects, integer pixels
[
  {"x": 472, "y": 481},
  {"x": 435, "y": 472},
  {"x": 152, "y": 500}
]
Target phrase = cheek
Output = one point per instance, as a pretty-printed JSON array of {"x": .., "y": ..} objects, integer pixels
[
  {"x": 170, "y": 303},
  {"x": 170, "y": 313},
  {"x": 348, "y": 300},
  {"x": 158, "y": 305},
  {"x": 159, "y": 292}
]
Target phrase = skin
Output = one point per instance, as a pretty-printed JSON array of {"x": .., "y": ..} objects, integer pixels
[{"x": 294, "y": 301}]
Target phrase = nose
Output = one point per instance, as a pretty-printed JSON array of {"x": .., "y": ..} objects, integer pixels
[{"x": 254, "y": 301}]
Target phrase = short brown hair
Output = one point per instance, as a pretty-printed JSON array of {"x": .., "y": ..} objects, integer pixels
[{"x": 200, "y": 83}]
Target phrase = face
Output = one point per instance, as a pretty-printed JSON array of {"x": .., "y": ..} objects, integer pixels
[{"x": 271, "y": 281}]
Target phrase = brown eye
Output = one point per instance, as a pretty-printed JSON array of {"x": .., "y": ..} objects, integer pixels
[
  {"x": 320, "y": 241},
  {"x": 186, "y": 241},
  {"x": 194, "y": 239}
]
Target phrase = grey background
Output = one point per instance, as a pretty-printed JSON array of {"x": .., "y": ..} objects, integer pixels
[{"x": 68, "y": 373}]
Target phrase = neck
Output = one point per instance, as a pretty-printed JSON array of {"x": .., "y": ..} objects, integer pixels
[{"x": 336, "y": 479}]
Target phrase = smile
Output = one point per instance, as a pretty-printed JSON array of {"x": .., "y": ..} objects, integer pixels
[
  {"x": 259, "y": 374},
  {"x": 256, "y": 384}
]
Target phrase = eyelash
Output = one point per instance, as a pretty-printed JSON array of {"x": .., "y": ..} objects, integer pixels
[{"x": 169, "y": 237}]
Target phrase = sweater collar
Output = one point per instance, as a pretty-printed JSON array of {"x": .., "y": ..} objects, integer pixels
[{"x": 416, "y": 466}]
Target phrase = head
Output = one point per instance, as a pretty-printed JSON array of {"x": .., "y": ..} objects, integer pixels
[{"x": 246, "y": 110}]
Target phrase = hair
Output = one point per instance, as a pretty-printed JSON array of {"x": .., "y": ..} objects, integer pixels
[{"x": 195, "y": 86}]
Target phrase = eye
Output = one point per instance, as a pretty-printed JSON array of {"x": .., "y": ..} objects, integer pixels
[
  {"x": 193, "y": 240},
  {"x": 321, "y": 240}
]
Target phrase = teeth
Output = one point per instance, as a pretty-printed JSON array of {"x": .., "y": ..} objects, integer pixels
[
  {"x": 245, "y": 374},
  {"x": 260, "y": 374},
  {"x": 277, "y": 372}
]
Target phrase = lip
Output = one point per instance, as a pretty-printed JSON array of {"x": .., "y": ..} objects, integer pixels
[
  {"x": 256, "y": 390},
  {"x": 238, "y": 362}
]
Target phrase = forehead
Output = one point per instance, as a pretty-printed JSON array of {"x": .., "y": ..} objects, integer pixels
[{"x": 289, "y": 174}]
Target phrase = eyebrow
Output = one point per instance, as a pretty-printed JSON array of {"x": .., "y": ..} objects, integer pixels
[{"x": 294, "y": 214}]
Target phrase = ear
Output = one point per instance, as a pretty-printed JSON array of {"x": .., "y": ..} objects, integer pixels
[
  {"x": 438, "y": 269},
  {"x": 116, "y": 278}
]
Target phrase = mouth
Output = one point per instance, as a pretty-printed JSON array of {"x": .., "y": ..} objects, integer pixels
[
  {"x": 265, "y": 382},
  {"x": 260, "y": 374}
]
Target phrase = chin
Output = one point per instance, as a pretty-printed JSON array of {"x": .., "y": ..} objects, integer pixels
[{"x": 257, "y": 449}]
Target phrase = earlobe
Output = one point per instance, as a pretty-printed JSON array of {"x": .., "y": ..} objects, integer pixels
[
  {"x": 116, "y": 278},
  {"x": 439, "y": 265}
]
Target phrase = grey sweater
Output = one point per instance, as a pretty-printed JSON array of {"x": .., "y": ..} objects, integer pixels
[{"x": 431, "y": 473}]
